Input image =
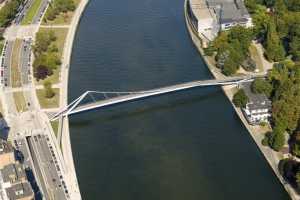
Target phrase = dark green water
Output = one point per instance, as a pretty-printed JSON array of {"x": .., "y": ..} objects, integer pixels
[{"x": 184, "y": 146}]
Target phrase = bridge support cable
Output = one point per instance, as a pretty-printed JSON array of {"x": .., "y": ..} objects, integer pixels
[
  {"x": 67, "y": 107},
  {"x": 105, "y": 96},
  {"x": 92, "y": 97}
]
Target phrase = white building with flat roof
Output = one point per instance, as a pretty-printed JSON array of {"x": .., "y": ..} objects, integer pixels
[
  {"x": 208, "y": 17},
  {"x": 203, "y": 19}
]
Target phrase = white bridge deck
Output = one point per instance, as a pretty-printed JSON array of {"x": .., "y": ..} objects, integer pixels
[{"x": 75, "y": 108}]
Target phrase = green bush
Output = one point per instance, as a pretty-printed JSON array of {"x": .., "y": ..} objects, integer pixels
[
  {"x": 261, "y": 86},
  {"x": 8, "y": 12},
  {"x": 59, "y": 6},
  {"x": 240, "y": 99},
  {"x": 49, "y": 93}
]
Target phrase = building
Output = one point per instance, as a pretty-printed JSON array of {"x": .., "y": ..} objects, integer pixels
[
  {"x": 6, "y": 153},
  {"x": 208, "y": 17},
  {"x": 203, "y": 19},
  {"x": 20, "y": 191},
  {"x": 258, "y": 109},
  {"x": 14, "y": 184},
  {"x": 13, "y": 174},
  {"x": 231, "y": 13}
]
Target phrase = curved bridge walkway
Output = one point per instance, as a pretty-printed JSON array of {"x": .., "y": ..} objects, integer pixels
[{"x": 74, "y": 107}]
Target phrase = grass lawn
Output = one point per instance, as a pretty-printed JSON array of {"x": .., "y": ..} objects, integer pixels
[
  {"x": 31, "y": 12},
  {"x": 45, "y": 102},
  {"x": 20, "y": 101},
  {"x": 15, "y": 70},
  {"x": 54, "y": 125},
  {"x": 62, "y": 18},
  {"x": 1, "y": 46},
  {"x": 61, "y": 34},
  {"x": 256, "y": 57}
]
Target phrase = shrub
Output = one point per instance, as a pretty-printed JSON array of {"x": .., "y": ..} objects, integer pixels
[
  {"x": 240, "y": 99},
  {"x": 49, "y": 93}
]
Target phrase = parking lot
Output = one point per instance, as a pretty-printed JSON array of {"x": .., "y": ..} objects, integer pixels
[
  {"x": 25, "y": 62},
  {"x": 5, "y": 63}
]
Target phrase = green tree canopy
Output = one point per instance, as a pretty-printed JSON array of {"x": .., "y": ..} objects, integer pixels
[
  {"x": 240, "y": 98},
  {"x": 274, "y": 49},
  {"x": 262, "y": 86}
]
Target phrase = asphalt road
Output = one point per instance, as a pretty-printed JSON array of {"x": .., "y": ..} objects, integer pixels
[
  {"x": 25, "y": 61},
  {"x": 48, "y": 163},
  {"x": 6, "y": 62},
  {"x": 38, "y": 173},
  {"x": 23, "y": 147},
  {"x": 38, "y": 17},
  {"x": 22, "y": 11}
]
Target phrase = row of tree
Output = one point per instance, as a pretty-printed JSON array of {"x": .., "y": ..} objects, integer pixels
[
  {"x": 46, "y": 55},
  {"x": 59, "y": 6},
  {"x": 9, "y": 11}
]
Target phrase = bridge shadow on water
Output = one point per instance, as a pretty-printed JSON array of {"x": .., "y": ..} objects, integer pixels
[{"x": 139, "y": 107}]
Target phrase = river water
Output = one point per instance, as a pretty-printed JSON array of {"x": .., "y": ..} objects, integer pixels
[{"x": 184, "y": 146}]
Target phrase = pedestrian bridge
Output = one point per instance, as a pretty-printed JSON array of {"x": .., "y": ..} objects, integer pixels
[{"x": 124, "y": 96}]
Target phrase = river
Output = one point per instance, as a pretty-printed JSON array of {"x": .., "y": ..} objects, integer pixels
[{"x": 184, "y": 146}]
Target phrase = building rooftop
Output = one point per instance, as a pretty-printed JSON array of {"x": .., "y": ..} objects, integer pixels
[
  {"x": 19, "y": 191},
  {"x": 256, "y": 101},
  {"x": 200, "y": 9},
  {"x": 13, "y": 173},
  {"x": 229, "y": 11},
  {"x": 5, "y": 147}
]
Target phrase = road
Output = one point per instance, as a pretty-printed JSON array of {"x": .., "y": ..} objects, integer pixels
[
  {"x": 6, "y": 63},
  {"x": 48, "y": 164},
  {"x": 31, "y": 129},
  {"x": 25, "y": 61},
  {"x": 38, "y": 17},
  {"x": 36, "y": 179},
  {"x": 22, "y": 11}
]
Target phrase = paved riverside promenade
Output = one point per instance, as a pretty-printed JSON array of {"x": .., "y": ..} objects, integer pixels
[
  {"x": 64, "y": 133},
  {"x": 256, "y": 133}
]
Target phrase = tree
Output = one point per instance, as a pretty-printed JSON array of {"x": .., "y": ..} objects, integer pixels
[
  {"x": 269, "y": 3},
  {"x": 296, "y": 144},
  {"x": 41, "y": 72},
  {"x": 261, "y": 86},
  {"x": 8, "y": 12},
  {"x": 230, "y": 67},
  {"x": 293, "y": 5},
  {"x": 242, "y": 37},
  {"x": 277, "y": 139},
  {"x": 49, "y": 93},
  {"x": 240, "y": 99},
  {"x": 59, "y": 6},
  {"x": 274, "y": 49},
  {"x": 295, "y": 47},
  {"x": 43, "y": 41}
]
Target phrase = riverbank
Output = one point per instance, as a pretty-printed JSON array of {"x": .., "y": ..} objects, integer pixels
[
  {"x": 256, "y": 133},
  {"x": 64, "y": 133}
]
